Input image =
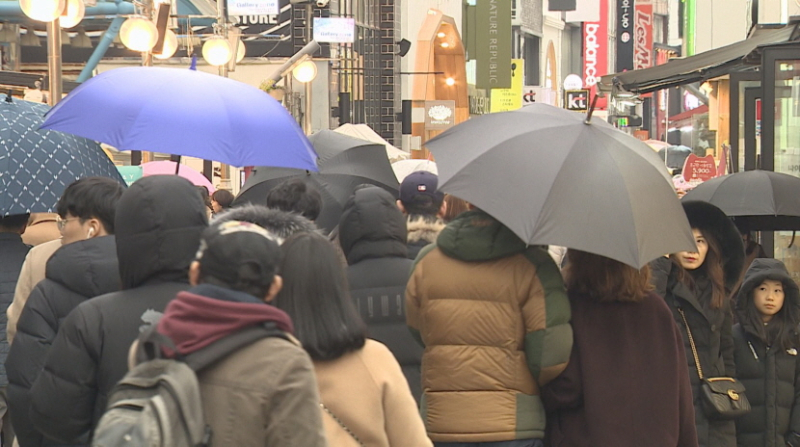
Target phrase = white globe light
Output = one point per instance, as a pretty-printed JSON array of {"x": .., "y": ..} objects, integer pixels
[
  {"x": 450, "y": 81},
  {"x": 216, "y": 51},
  {"x": 73, "y": 15},
  {"x": 42, "y": 10},
  {"x": 240, "y": 52},
  {"x": 170, "y": 45},
  {"x": 305, "y": 72},
  {"x": 138, "y": 33}
]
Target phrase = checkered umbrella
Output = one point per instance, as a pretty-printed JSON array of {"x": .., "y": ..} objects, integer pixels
[{"x": 37, "y": 165}]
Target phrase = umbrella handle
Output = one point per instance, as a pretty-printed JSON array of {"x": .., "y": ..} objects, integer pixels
[
  {"x": 591, "y": 110},
  {"x": 791, "y": 243},
  {"x": 177, "y": 165}
]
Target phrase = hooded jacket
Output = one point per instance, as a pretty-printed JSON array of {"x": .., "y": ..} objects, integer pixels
[
  {"x": 262, "y": 394},
  {"x": 372, "y": 233},
  {"x": 75, "y": 273},
  {"x": 12, "y": 255},
  {"x": 422, "y": 231},
  {"x": 281, "y": 224},
  {"x": 158, "y": 224},
  {"x": 711, "y": 328},
  {"x": 494, "y": 318},
  {"x": 770, "y": 374}
]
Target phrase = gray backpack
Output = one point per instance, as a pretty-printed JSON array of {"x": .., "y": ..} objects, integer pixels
[{"x": 157, "y": 403}]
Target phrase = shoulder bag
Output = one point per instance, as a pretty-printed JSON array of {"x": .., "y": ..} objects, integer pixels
[{"x": 723, "y": 397}]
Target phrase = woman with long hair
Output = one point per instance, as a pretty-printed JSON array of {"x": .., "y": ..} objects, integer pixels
[
  {"x": 365, "y": 398},
  {"x": 697, "y": 286},
  {"x": 626, "y": 383},
  {"x": 766, "y": 352}
]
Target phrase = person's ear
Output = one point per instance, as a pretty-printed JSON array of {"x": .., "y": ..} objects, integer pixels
[
  {"x": 194, "y": 273},
  {"x": 442, "y": 210},
  {"x": 274, "y": 288},
  {"x": 402, "y": 208}
]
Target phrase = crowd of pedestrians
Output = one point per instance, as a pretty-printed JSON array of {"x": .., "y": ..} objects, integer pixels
[{"x": 419, "y": 321}]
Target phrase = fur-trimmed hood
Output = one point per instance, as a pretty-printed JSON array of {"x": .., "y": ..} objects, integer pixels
[
  {"x": 424, "y": 228},
  {"x": 279, "y": 223},
  {"x": 714, "y": 223}
]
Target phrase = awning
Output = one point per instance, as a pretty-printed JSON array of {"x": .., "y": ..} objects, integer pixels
[{"x": 700, "y": 67}]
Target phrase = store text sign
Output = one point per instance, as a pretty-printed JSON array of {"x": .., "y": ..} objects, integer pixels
[
  {"x": 595, "y": 50},
  {"x": 699, "y": 169},
  {"x": 440, "y": 115},
  {"x": 643, "y": 37},
  {"x": 253, "y": 7},
  {"x": 334, "y": 29},
  {"x": 493, "y": 44}
]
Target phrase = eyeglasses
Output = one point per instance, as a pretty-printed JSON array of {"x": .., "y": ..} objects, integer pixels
[{"x": 62, "y": 223}]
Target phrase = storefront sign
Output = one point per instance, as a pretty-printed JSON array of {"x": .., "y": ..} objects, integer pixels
[
  {"x": 506, "y": 99},
  {"x": 440, "y": 115},
  {"x": 595, "y": 51},
  {"x": 334, "y": 29},
  {"x": 625, "y": 25},
  {"x": 697, "y": 170},
  {"x": 643, "y": 37},
  {"x": 253, "y": 7},
  {"x": 493, "y": 44},
  {"x": 572, "y": 82},
  {"x": 576, "y": 100},
  {"x": 531, "y": 94},
  {"x": 478, "y": 101}
]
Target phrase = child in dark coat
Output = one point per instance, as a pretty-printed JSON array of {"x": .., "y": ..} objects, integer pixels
[{"x": 766, "y": 347}]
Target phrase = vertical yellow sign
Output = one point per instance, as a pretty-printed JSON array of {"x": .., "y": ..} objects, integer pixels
[{"x": 505, "y": 99}]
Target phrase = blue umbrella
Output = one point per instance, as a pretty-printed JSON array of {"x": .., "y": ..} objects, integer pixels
[
  {"x": 37, "y": 165},
  {"x": 184, "y": 112}
]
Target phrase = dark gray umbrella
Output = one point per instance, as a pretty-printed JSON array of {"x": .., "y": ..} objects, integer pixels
[
  {"x": 674, "y": 156},
  {"x": 757, "y": 200},
  {"x": 553, "y": 179},
  {"x": 37, "y": 165},
  {"x": 344, "y": 163}
]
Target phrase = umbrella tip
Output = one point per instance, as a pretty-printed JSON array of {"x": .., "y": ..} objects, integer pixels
[
  {"x": 591, "y": 111},
  {"x": 193, "y": 65},
  {"x": 9, "y": 98}
]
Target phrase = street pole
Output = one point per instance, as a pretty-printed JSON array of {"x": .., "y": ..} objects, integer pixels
[
  {"x": 54, "y": 62},
  {"x": 307, "y": 111}
]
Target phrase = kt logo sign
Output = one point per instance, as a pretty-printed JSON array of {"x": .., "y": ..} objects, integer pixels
[{"x": 577, "y": 100}]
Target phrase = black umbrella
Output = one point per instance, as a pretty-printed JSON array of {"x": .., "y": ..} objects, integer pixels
[
  {"x": 674, "y": 156},
  {"x": 757, "y": 200},
  {"x": 344, "y": 163},
  {"x": 554, "y": 179}
]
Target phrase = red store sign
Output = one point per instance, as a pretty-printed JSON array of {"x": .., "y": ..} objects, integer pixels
[
  {"x": 595, "y": 52},
  {"x": 643, "y": 37}
]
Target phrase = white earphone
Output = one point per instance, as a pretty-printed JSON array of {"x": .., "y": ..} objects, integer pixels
[{"x": 91, "y": 233}]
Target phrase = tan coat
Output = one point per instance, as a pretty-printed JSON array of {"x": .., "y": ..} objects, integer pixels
[
  {"x": 254, "y": 399},
  {"x": 367, "y": 391},
  {"x": 41, "y": 228},
  {"x": 494, "y": 318},
  {"x": 32, "y": 272}
]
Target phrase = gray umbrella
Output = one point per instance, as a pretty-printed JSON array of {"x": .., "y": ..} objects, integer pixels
[
  {"x": 552, "y": 179},
  {"x": 757, "y": 200}
]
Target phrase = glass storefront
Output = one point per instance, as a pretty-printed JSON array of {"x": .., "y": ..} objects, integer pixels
[{"x": 787, "y": 148}]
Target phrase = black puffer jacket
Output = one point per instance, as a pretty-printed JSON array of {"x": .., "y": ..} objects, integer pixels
[
  {"x": 372, "y": 232},
  {"x": 711, "y": 328},
  {"x": 75, "y": 273},
  {"x": 771, "y": 374},
  {"x": 158, "y": 224},
  {"x": 12, "y": 255}
]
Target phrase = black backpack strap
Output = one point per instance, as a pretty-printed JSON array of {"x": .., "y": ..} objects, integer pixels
[{"x": 229, "y": 344}]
